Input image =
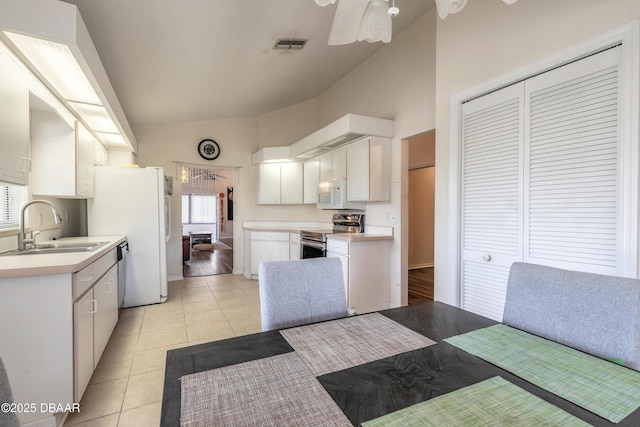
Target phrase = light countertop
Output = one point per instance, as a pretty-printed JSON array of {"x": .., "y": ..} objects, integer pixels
[
  {"x": 70, "y": 262},
  {"x": 351, "y": 237}
]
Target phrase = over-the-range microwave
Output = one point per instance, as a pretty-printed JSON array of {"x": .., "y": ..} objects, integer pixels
[{"x": 333, "y": 195}]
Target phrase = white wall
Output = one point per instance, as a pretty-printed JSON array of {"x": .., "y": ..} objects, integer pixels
[{"x": 486, "y": 40}]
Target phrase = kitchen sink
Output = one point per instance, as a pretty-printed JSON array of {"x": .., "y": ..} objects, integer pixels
[{"x": 56, "y": 248}]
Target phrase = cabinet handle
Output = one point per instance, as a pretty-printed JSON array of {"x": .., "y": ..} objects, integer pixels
[
  {"x": 26, "y": 165},
  {"x": 86, "y": 279},
  {"x": 94, "y": 304},
  {"x": 109, "y": 284},
  {"x": 486, "y": 257}
]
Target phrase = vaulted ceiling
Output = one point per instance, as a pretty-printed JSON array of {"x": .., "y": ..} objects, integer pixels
[{"x": 188, "y": 60}]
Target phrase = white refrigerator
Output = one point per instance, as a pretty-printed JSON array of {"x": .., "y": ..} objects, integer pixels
[{"x": 135, "y": 202}]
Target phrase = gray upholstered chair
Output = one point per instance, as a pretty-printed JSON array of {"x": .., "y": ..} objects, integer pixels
[
  {"x": 297, "y": 292},
  {"x": 593, "y": 313},
  {"x": 7, "y": 419}
]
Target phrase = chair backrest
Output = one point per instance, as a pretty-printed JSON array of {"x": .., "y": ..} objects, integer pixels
[
  {"x": 7, "y": 418},
  {"x": 593, "y": 313},
  {"x": 297, "y": 292}
]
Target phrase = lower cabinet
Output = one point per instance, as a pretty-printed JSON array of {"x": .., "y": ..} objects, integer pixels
[
  {"x": 294, "y": 245},
  {"x": 54, "y": 328},
  {"x": 95, "y": 314},
  {"x": 365, "y": 266},
  {"x": 268, "y": 246}
]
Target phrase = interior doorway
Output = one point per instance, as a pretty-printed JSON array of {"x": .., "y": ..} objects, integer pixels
[
  {"x": 421, "y": 207},
  {"x": 207, "y": 220}
]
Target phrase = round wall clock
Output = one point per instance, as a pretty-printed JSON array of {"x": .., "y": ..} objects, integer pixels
[{"x": 208, "y": 149}]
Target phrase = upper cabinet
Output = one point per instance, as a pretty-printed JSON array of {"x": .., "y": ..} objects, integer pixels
[
  {"x": 62, "y": 157},
  {"x": 333, "y": 165},
  {"x": 279, "y": 183},
  {"x": 14, "y": 121},
  {"x": 369, "y": 170},
  {"x": 311, "y": 171}
]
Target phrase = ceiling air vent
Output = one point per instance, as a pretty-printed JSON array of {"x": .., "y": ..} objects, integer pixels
[{"x": 289, "y": 44}]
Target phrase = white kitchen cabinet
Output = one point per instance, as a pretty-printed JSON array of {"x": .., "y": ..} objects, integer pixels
[
  {"x": 95, "y": 314},
  {"x": 311, "y": 171},
  {"x": 100, "y": 154},
  {"x": 268, "y": 246},
  {"x": 291, "y": 183},
  {"x": 333, "y": 165},
  {"x": 63, "y": 164},
  {"x": 369, "y": 170},
  {"x": 294, "y": 245},
  {"x": 41, "y": 325},
  {"x": 14, "y": 120},
  {"x": 85, "y": 150},
  {"x": 83, "y": 310},
  {"x": 365, "y": 266},
  {"x": 105, "y": 292},
  {"x": 279, "y": 183},
  {"x": 268, "y": 183}
]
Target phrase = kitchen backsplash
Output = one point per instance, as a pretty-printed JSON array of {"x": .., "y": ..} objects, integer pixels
[{"x": 40, "y": 218}]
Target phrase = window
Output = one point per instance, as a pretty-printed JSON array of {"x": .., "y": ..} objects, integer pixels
[
  {"x": 198, "y": 209},
  {"x": 12, "y": 198}
]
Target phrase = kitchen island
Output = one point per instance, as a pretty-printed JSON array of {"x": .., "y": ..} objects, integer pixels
[{"x": 57, "y": 312}]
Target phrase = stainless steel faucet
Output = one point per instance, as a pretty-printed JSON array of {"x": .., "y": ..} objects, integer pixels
[{"x": 23, "y": 241}]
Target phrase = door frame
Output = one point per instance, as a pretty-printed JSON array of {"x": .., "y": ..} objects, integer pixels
[{"x": 627, "y": 35}]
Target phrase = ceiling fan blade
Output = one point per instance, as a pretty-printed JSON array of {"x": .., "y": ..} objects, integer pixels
[{"x": 346, "y": 22}]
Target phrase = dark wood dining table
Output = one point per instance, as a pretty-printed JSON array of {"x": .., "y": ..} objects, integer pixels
[{"x": 368, "y": 391}]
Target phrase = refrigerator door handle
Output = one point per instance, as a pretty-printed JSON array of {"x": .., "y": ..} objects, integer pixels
[{"x": 167, "y": 223}]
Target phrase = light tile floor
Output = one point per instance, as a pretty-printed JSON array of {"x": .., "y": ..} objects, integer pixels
[{"x": 126, "y": 388}]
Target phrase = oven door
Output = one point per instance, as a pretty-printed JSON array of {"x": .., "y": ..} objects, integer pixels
[{"x": 312, "y": 249}]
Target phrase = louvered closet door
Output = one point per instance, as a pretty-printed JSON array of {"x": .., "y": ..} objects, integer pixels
[
  {"x": 572, "y": 200},
  {"x": 492, "y": 132}
]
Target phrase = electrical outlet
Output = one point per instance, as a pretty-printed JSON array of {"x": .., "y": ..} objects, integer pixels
[{"x": 393, "y": 217}]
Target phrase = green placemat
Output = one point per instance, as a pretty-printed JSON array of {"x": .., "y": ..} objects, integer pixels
[
  {"x": 604, "y": 388},
  {"x": 488, "y": 403}
]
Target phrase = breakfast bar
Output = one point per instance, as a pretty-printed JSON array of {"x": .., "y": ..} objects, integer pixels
[{"x": 368, "y": 381}]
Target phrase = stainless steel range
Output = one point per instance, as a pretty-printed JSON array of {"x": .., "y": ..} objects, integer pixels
[{"x": 313, "y": 243}]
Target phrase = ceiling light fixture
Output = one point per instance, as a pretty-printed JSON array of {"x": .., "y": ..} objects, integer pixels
[
  {"x": 445, "y": 7},
  {"x": 376, "y": 22}
]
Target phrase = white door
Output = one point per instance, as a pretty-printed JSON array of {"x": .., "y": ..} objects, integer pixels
[
  {"x": 491, "y": 198},
  {"x": 572, "y": 204},
  {"x": 541, "y": 179}
]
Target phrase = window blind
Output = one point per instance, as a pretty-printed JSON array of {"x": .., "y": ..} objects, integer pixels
[{"x": 12, "y": 198}]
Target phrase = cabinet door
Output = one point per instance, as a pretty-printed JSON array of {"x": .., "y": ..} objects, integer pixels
[
  {"x": 358, "y": 171},
  {"x": 100, "y": 154},
  {"x": 14, "y": 121},
  {"x": 278, "y": 251},
  {"x": 325, "y": 164},
  {"x": 105, "y": 293},
  {"x": 345, "y": 273},
  {"x": 294, "y": 250},
  {"x": 311, "y": 169},
  {"x": 339, "y": 163},
  {"x": 83, "y": 310},
  {"x": 291, "y": 182},
  {"x": 268, "y": 183},
  {"x": 259, "y": 253},
  {"x": 85, "y": 146}
]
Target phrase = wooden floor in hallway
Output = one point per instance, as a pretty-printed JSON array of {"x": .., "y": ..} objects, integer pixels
[
  {"x": 420, "y": 285},
  {"x": 210, "y": 262}
]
